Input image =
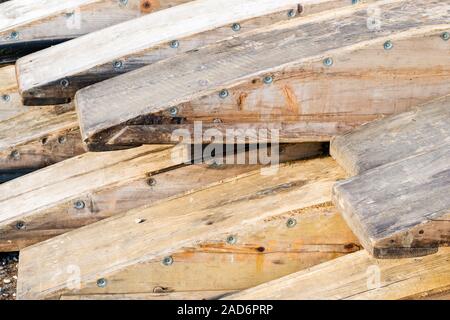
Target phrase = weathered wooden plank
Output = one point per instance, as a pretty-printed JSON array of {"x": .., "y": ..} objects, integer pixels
[
  {"x": 359, "y": 276},
  {"x": 272, "y": 51},
  {"x": 122, "y": 48},
  {"x": 92, "y": 187},
  {"x": 396, "y": 138},
  {"x": 261, "y": 253},
  {"x": 212, "y": 214},
  {"x": 27, "y": 26},
  {"x": 39, "y": 137},
  {"x": 10, "y": 100},
  {"x": 400, "y": 209},
  {"x": 189, "y": 295}
]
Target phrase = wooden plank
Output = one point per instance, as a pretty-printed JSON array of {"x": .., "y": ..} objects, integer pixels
[
  {"x": 274, "y": 50},
  {"x": 39, "y": 137},
  {"x": 319, "y": 96},
  {"x": 105, "y": 184},
  {"x": 399, "y": 137},
  {"x": 27, "y": 26},
  {"x": 398, "y": 204},
  {"x": 261, "y": 253},
  {"x": 166, "y": 227},
  {"x": 10, "y": 99},
  {"x": 400, "y": 209},
  {"x": 359, "y": 276},
  {"x": 125, "y": 47}
]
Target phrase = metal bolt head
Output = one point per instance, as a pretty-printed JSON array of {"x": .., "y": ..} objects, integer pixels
[
  {"x": 173, "y": 111},
  {"x": 151, "y": 182},
  {"x": 15, "y": 155},
  {"x": 355, "y": 1},
  {"x": 231, "y": 239},
  {"x": 223, "y": 93},
  {"x": 291, "y": 13},
  {"x": 445, "y": 36},
  {"x": 268, "y": 79},
  {"x": 175, "y": 44},
  {"x": 20, "y": 225},
  {"x": 6, "y": 97},
  {"x": 14, "y": 35},
  {"x": 118, "y": 65},
  {"x": 79, "y": 205},
  {"x": 64, "y": 83},
  {"x": 62, "y": 140},
  {"x": 328, "y": 62},
  {"x": 236, "y": 27},
  {"x": 101, "y": 283},
  {"x": 291, "y": 223},
  {"x": 167, "y": 261},
  {"x": 123, "y": 2},
  {"x": 388, "y": 45}
]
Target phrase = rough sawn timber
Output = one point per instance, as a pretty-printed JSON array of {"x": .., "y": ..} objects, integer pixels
[
  {"x": 400, "y": 207},
  {"x": 38, "y": 137},
  {"x": 127, "y": 46},
  {"x": 358, "y": 276},
  {"x": 146, "y": 235},
  {"x": 27, "y": 26},
  {"x": 105, "y": 184},
  {"x": 395, "y": 138},
  {"x": 250, "y": 57}
]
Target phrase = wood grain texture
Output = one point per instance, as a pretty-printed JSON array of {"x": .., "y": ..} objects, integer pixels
[
  {"x": 27, "y": 26},
  {"x": 240, "y": 60},
  {"x": 261, "y": 253},
  {"x": 142, "y": 41},
  {"x": 107, "y": 183},
  {"x": 189, "y": 295},
  {"x": 319, "y": 97},
  {"x": 355, "y": 277},
  {"x": 400, "y": 209},
  {"x": 38, "y": 137},
  {"x": 10, "y": 99},
  {"x": 166, "y": 227},
  {"x": 396, "y": 138}
]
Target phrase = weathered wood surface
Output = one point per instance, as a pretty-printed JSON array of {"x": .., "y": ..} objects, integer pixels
[
  {"x": 261, "y": 253},
  {"x": 204, "y": 216},
  {"x": 125, "y": 47},
  {"x": 400, "y": 209},
  {"x": 189, "y": 295},
  {"x": 10, "y": 100},
  {"x": 39, "y": 137},
  {"x": 278, "y": 51},
  {"x": 27, "y": 26},
  {"x": 395, "y": 138},
  {"x": 104, "y": 185},
  {"x": 359, "y": 276}
]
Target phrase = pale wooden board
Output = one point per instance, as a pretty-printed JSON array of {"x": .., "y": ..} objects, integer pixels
[
  {"x": 354, "y": 277},
  {"x": 42, "y": 23},
  {"x": 93, "y": 55},
  {"x": 242, "y": 59},
  {"x": 262, "y": 252},
  {"x": 10, "y": 99},
  {"x": 320, "y": 97},
  {"x": 394, "y": 138},
  {"x": 168, "y": 226},
  {"x": 400, "y": 209},
  {"x": 108, "y": 183},
  {"x": 39, "y": 137},
  {"x": 189, "y": 295}
]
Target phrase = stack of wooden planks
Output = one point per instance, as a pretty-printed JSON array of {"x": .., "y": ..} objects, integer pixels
[{"x": 171, "y": 149}]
